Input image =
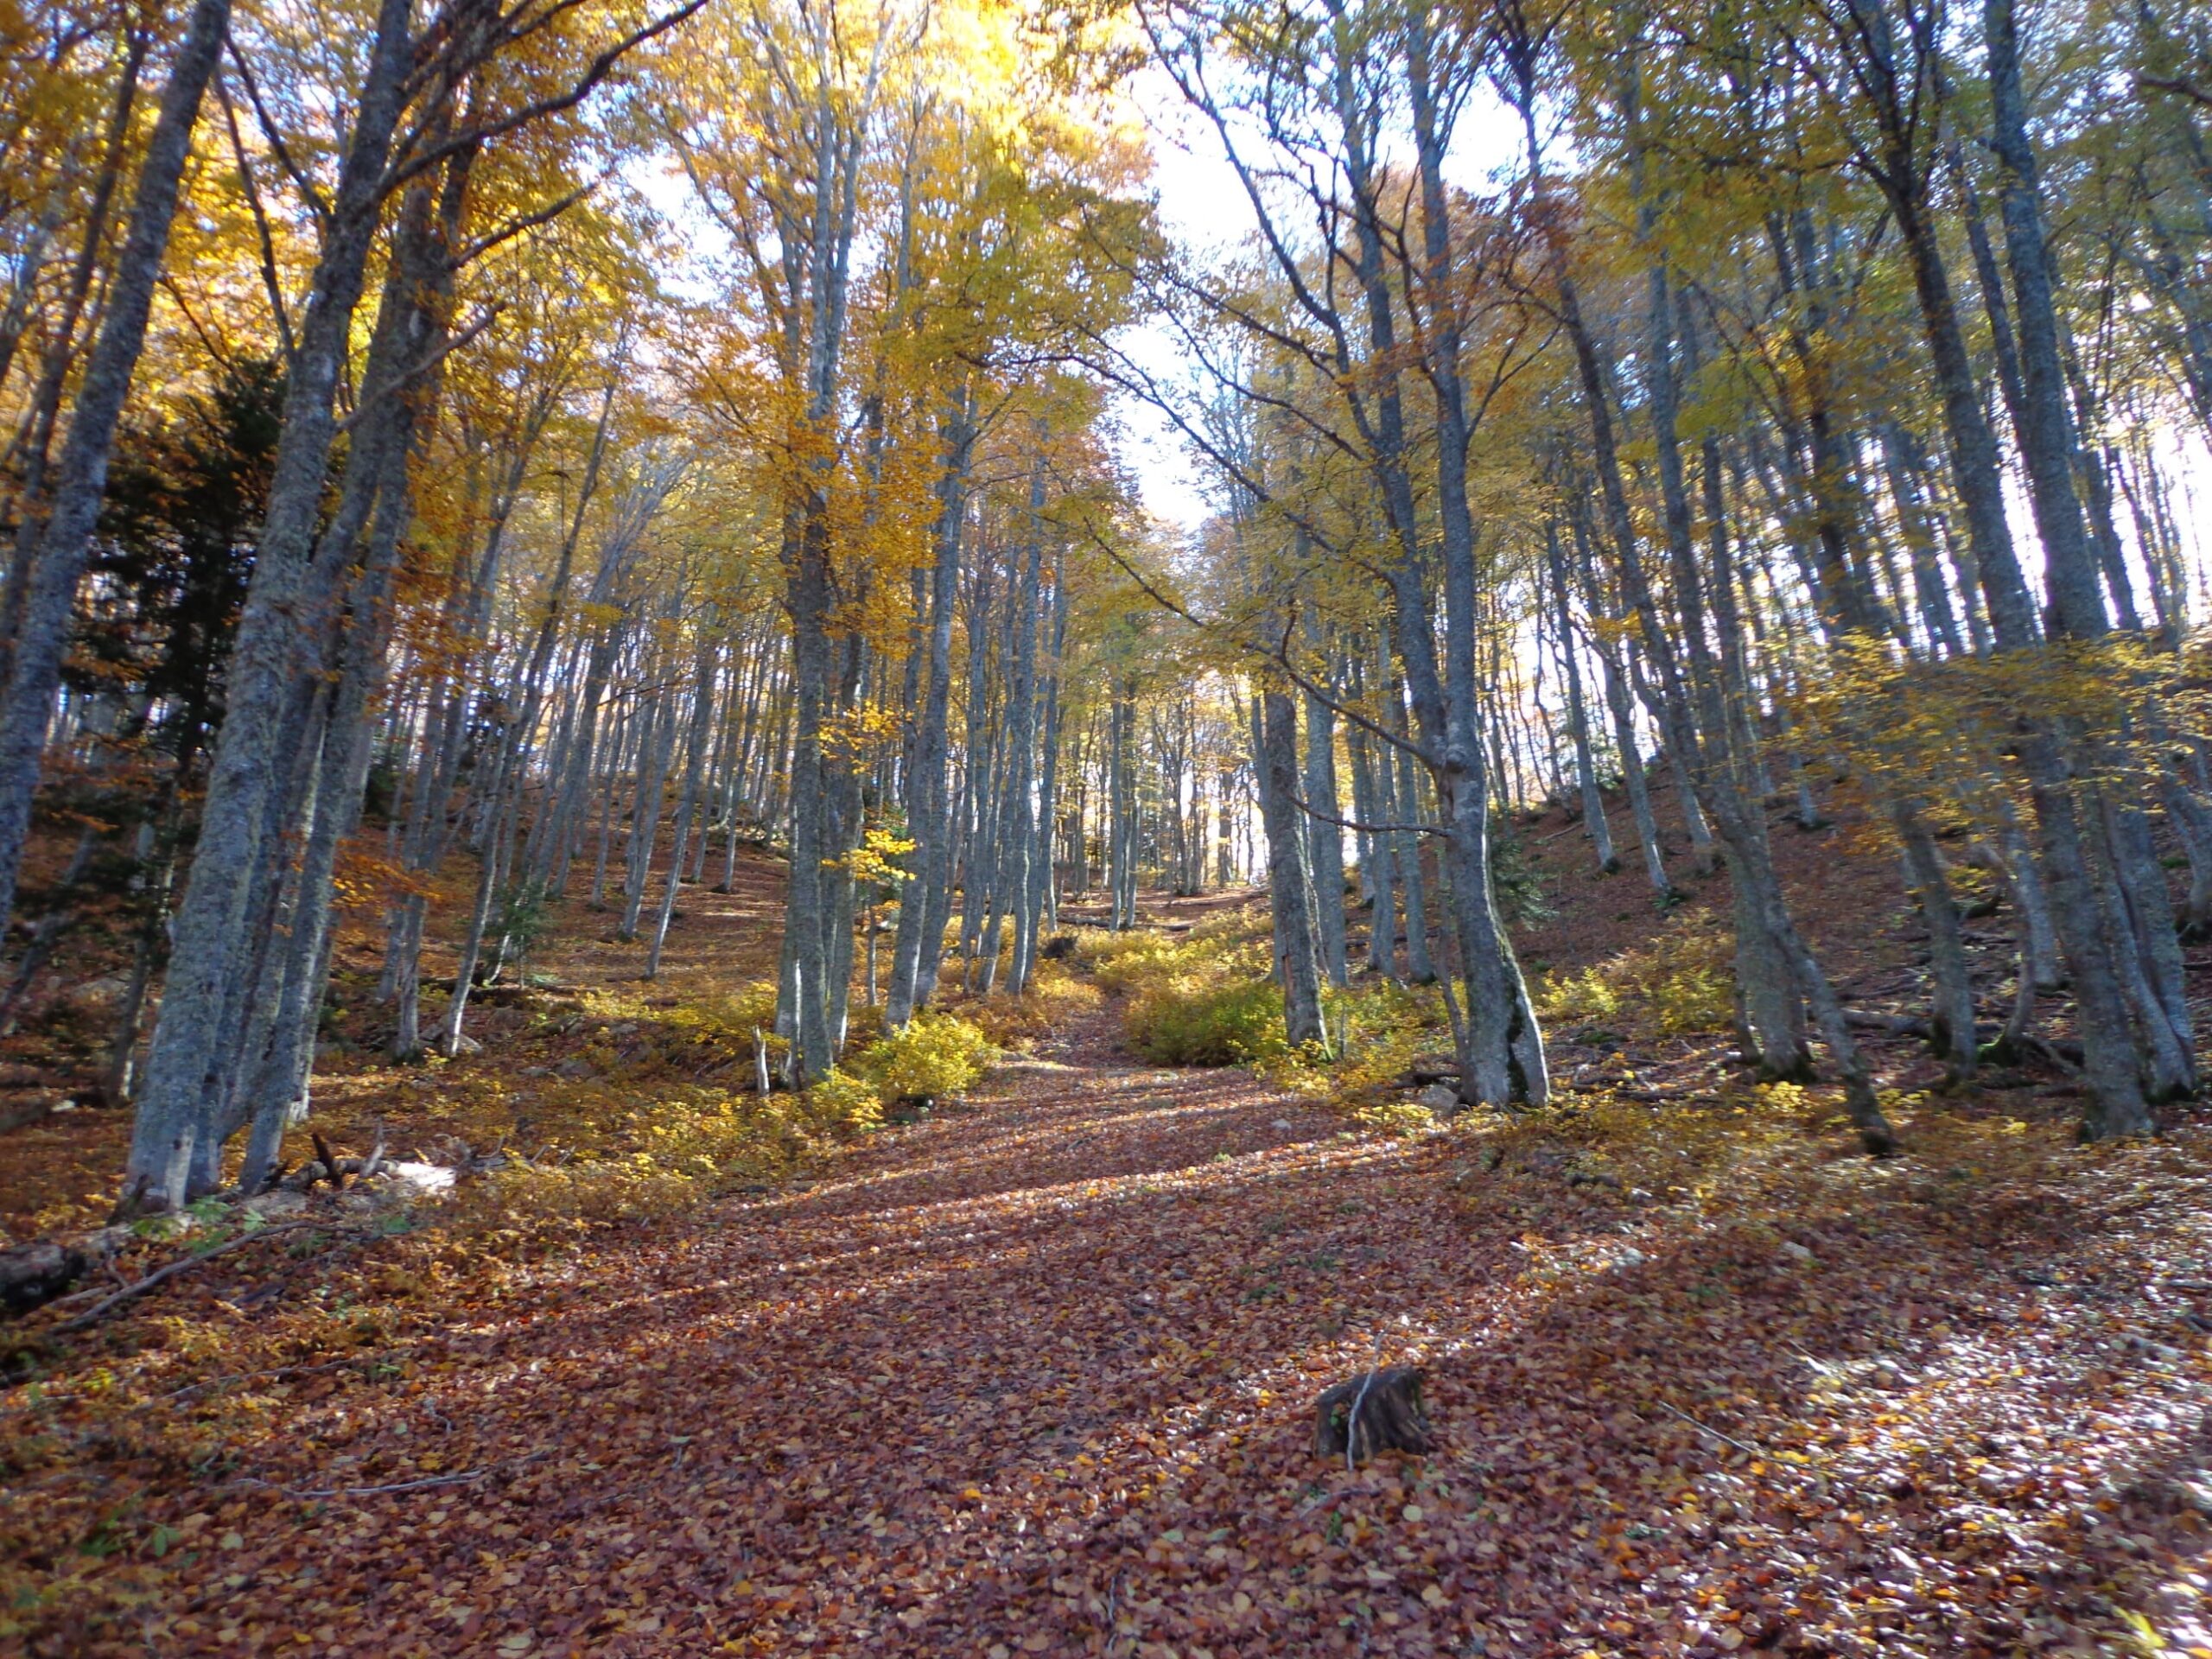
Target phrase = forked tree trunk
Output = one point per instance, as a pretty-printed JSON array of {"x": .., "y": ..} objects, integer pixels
[{"x": 289, "y": 588}]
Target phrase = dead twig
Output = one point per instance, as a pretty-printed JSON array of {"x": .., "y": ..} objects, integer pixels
[
  {"x": 100, "y": 1310},
  {"x": 459, "y": 1477},
  {"x": 1749, "y": 1451}
]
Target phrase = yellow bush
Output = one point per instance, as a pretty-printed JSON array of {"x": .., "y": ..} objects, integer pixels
[
  {"x": 1682, "y": 981},
  {"x": 754, "y": 1007},
  {"x": 1576, "y": 998},
  {"x": 531, "y": 1197},
  {"x": 1220, "y": 950},
  {"x": 1376, "y": 1030},
  {"x": 1055, "y": 999},
  {"x": 1122, "y": 960},
  {"x": 1177, "y": 1023},
  {"x": 736, "y": 1017},
  {"x": 937, "y": 1057},
  {"x": 841, "y": 1104},
  {"x": 1693, "y": 990},
  {"x": 1395, "y": 1117},
  {"x": 664, "y": 1156}
]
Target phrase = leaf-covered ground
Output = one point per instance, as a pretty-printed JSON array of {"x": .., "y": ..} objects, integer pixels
[{"x": 1035, "y": 1375}]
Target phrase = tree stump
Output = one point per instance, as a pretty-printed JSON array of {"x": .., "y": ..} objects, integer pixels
[
  {"x": 1376, "y": 1411},
  {"x": 33, "y": 1274}
]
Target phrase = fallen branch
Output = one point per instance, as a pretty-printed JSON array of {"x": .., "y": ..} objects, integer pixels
[
  {"x": 461, "y": 1478},
  {"x": 1636, "y": 1092},
  {"x": 100, "y": 1310},
  {"x": 2062, "y": 1057},
  {"x": 1749, "y": 1451}
]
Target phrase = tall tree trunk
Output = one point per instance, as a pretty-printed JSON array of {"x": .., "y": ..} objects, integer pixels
[
  {"x": 1294, "y": 936},
  {"x": 294, "y": 576},
  {"x": 926, "y": 898},
  {"x": 1324, "y": 840},
  {"x": 703, "y": 721},
  {"x": 1585, "y": 772},
  {"x": 41, "y": 637}
]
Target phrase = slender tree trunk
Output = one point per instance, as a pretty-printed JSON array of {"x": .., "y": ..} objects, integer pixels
[
  {"x": 1585, "y": 772},
  {"x": 1294, "y": 956},
  {"x": 703, "y": 721},
  {"x": 41, "y": 637}
]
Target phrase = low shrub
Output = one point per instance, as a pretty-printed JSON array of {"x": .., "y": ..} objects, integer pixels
[
  {"x": 737, "y": 1016},
  {"x": 1682, "y": 982},
  {"x": 1376, "y": 1031},
  {"x": 1693, "y": 996},
  {"x": 1229, "y": 946},
  {"x": 842, "y": 1104},
  {"x": 1236, "y": 1024},
  {"x": 664, "y": 1156},
  {"x": 1055, "y": 998},
  {"x": 938, "y": 1057},
  {"x": 1582, "y": 998}
]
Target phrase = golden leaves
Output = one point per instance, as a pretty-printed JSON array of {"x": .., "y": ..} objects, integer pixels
[{"x": 1950, "y": 730}]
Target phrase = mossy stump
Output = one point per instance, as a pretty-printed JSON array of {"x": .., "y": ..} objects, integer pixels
[{"x": 1376, "y": 1411}]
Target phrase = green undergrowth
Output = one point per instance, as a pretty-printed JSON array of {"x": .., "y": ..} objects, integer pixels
[
  {"x": 1679, "y": 981},
  {"x": 1204, "y": 997},
  {"x": 631, "y": 1142}
]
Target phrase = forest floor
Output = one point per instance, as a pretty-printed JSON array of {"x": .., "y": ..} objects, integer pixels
[{"x": 1036, "y": 1375}]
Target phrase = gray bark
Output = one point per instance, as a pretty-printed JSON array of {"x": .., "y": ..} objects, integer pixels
[
  {"x": 1585, "y": 772},
  {"x": 926, "y": 897},
  {"x": 80, "y": 479},
  {"x": 1294, "y": 958},
  {"x": 703, "y": 721},
  {"x": 290, "y": 586},
  {"x": 1324, "y": 840}
]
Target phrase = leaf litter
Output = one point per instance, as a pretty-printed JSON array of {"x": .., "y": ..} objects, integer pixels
[{"x": 1036, "y": 1375}]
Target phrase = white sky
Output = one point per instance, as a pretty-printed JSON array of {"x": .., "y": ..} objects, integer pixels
[
  {"x": 1202, "y": 205},
  {"x": 1204, "y": 208}
]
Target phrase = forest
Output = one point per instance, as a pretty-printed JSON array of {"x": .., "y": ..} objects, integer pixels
[{"x": 1159, "y": 828}]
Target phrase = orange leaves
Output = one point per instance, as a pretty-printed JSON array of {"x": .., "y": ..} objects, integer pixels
[
  {"x": 1000, "y": 1383},
  {"x": 367, "y": 881}
]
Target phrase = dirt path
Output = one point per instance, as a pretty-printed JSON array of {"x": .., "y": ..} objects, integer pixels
[
  {"x": 986, "y": 1386},
  {"x": 1034, "y": 1376}
]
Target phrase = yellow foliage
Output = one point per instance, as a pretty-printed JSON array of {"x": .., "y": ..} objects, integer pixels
[
  {"x": 1382, "y": 1028},
  {"x": 669, "y": 1156},
  {"x": 1680, "y": 982},
  {"x": 1055, "y": 999},
  {"x": 1947, "y": 733},
  {"x": 1578, "y": 997},
  {"x": 937, "y": 1057},
  {"x": 841, "y": 1104}
]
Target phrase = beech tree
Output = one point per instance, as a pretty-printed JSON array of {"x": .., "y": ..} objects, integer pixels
[{"x": 532, "y": 452}]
